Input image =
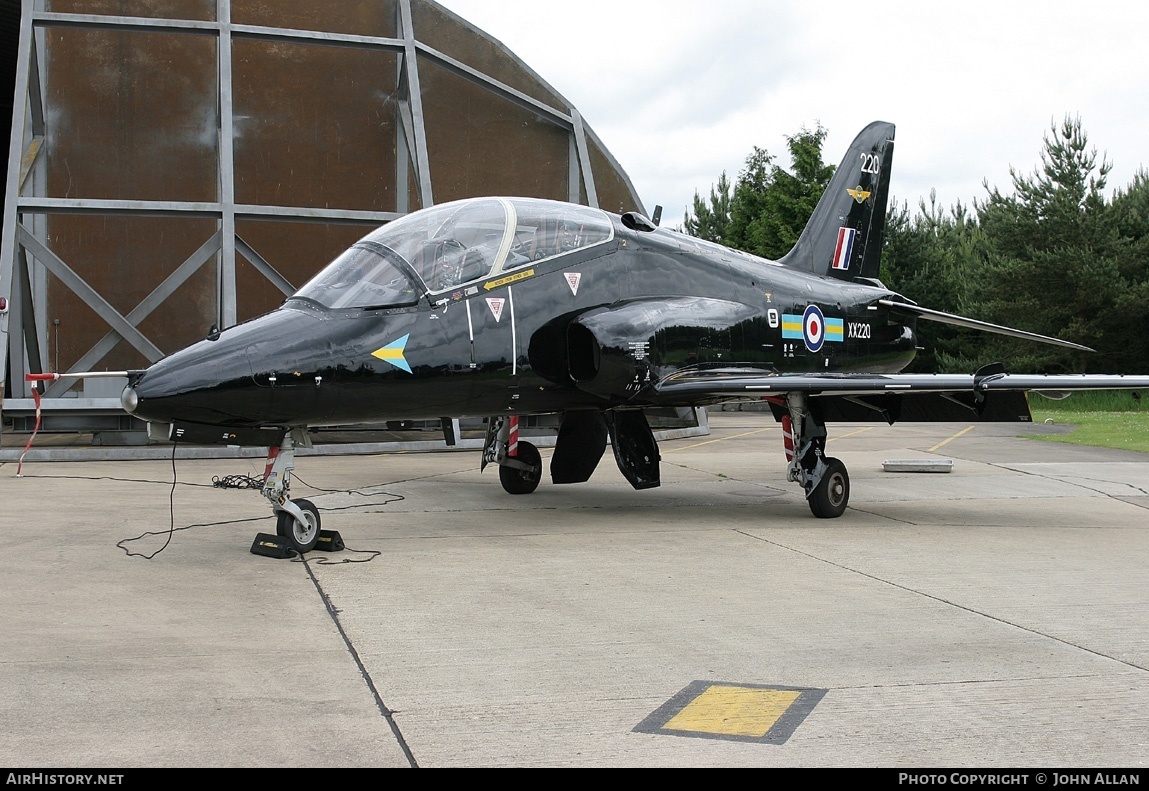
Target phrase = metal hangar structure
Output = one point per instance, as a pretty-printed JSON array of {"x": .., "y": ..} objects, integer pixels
[{"x": 175, "y": 164}]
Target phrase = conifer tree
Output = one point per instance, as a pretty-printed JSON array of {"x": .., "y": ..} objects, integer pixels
[{"x": 768, "y": 207}]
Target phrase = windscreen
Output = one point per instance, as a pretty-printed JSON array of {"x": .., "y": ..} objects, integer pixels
[
  {"x": 451, "y": 244},
  {"x": 364, "y": 276}
]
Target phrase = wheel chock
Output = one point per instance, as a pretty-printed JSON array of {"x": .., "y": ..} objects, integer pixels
[
  {"x": 329, "y": 541},
  {"x": 272, "y": 546}
]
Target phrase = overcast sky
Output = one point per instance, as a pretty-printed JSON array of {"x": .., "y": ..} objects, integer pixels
[{"x": 681, "y": 90}]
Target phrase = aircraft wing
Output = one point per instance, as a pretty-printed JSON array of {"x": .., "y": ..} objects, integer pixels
[
  {"x": 735, "y": 384},
  {"x": 990, "y": 395}
]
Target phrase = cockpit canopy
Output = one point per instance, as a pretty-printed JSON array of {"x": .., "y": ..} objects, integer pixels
[{"x": 446, "y": 247}]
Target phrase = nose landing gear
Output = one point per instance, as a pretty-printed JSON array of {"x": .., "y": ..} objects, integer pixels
[{"x": 296, "y": 521}]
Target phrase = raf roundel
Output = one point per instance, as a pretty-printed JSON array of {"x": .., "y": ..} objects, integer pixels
[{"x": 813, "y": 328}]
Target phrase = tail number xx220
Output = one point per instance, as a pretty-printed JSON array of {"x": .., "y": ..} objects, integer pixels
[{"x": 860, "y": 332}]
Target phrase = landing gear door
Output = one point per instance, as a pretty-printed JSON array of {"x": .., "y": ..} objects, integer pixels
[
  {"x": 495, "y": 344},
  {"x": 635, "y": 448}
]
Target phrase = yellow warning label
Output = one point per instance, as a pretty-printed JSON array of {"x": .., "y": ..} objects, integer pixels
[{"x": 506, "y": 281}]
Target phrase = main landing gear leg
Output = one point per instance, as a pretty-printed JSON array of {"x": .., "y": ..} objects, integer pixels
[
  {"x": 296, "y": 520},
  {"x": 825, "y": 479},
  {"x": 520, "y": 465}
]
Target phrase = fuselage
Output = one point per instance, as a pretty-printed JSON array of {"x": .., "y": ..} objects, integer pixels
[{"x": 590, "y": 318}]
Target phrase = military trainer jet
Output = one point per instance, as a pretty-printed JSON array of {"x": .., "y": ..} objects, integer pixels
[{"x": 505, "y": 307}]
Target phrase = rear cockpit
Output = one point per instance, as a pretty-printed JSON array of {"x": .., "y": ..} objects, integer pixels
[{"x": 451, "y": 246}]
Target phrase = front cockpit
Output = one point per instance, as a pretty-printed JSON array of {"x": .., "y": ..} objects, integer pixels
[{"x": 448, "y": 247}]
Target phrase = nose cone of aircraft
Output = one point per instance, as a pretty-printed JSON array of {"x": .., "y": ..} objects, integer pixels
[
  {"x": 210, "y": 382},
  {"x": 129, "y": 399},
  {"x": 213, "y": 382}
]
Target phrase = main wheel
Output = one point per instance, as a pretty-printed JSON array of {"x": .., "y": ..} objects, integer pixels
[
  {"x": 522, "y": 481},
  {"x": 302, "y": 536},
  {"x": 829, "y": 499}
]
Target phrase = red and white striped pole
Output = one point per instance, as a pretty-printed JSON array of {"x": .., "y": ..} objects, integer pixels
[
  {"x": 513, "y": 437},
  {"x": 788, "y": 437},
  {"x": 272, "y": 455}
]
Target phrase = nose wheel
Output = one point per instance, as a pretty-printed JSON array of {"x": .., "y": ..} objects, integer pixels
[{"x": 301, "y": 532}]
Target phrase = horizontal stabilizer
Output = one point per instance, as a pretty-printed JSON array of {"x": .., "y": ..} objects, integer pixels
[{"x": 974, "y": 324}]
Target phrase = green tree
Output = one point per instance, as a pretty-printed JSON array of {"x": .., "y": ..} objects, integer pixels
[
  {"x": 931, "y": 257},
  {"x": 769, "y": 206},
  {"x": 710, "y": 221},
  {"x": 791, "y": 196},
  {"x": 1128, "y": 337},
  {"x": 1052, "y": 256},
  {"x": 748, "y": 205}
]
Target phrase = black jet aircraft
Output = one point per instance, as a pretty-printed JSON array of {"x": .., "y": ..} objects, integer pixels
[{"x": 506, "y": 307}]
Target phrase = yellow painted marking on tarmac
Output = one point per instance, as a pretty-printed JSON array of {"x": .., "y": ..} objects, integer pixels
[
  {"x": 734, "y": 711},
  {"x": 942, "y": 444},
  {"x": 851, "y": 434},
  {"x": 720, "y": 439},
  {"x": 752, "y": 433}
]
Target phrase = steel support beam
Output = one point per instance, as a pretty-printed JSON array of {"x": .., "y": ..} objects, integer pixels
[
  {"x": 8, "y": 243},
  {"x": 415, "y": 101},
  {"x": 78, "y": 286},
  {"x": 25, "y": 319},
  {"x": 265, "y": 269},
  {"x": 228, "y": 310},
  {"x": 164, "y": 290},
  {"x": 584, "y": 160}
]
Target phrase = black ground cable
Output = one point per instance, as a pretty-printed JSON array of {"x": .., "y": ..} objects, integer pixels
[{"x": 236, "y": 481}]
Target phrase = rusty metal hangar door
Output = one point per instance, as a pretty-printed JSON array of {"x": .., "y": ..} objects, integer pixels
[{"x": 175, "y": 164}]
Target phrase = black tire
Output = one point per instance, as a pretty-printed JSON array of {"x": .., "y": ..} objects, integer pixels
[
  {"x": 302, "y": 537},
  {"x": 522, "y": 481},
  {"x": 830, "y": 498}
]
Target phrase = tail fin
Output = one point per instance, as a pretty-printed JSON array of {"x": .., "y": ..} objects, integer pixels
[{"x": 843, "y": 238}]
